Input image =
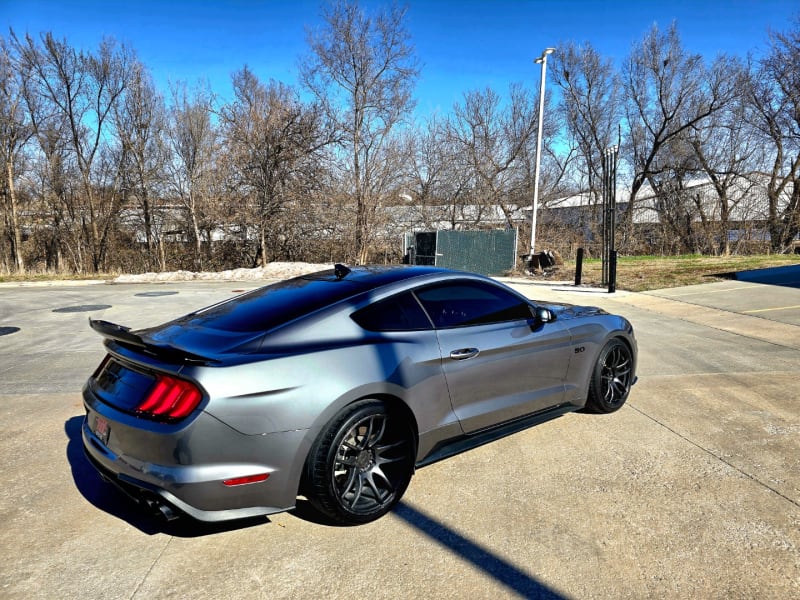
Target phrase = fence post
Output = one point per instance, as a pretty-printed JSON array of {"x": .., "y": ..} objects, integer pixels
[
  {"x": 612, "y": 273},
  {"x": 578, "y": 266},
  {"x": 610, "y": 157}
]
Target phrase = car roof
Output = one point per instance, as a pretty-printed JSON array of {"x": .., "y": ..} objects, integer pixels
[
  {"x": 374, "y": 276},
  {"x": 272, "y": 306}
]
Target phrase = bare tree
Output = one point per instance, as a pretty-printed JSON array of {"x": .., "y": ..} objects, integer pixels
[
  {"x": 726, "y": 148},
  {"x": 81, "y": 88},
  {"x": 53, "y": 186},
  {"x": 775, "y": 102},
  {"x": 140, "y": 123},
  {"x": 591, "y": 108},
  {"x": 495, "y": 139},
  {"x": 677, "y": 198},
  {"x": 270, "y": 134},
  {"x": 438, "y": 180},
  {"x": 193, "y": 140},
  {"x": 668, "y": 92},
  {"x": 16, "y": 131},
  {"x": 362, "y": 69}
]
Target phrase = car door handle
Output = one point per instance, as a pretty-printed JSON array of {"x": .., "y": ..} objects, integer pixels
[{"x": 464, "y": 353}]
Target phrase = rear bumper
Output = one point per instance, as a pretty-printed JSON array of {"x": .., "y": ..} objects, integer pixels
[
  {"x": 159, "y": 501},
  {"x": 156, "y": 469}
]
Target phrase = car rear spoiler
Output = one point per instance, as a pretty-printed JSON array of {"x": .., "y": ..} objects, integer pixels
[
  {"x": 124, "y": 335},
  {"x": 116, "y": 332}
]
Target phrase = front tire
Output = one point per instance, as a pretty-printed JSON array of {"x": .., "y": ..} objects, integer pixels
[
  {"x": 612, "y": 378},
  {"x": 361, "y": 464}
]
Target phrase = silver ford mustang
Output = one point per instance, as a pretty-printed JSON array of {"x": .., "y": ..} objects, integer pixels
[{"x": 336, "y": 386}]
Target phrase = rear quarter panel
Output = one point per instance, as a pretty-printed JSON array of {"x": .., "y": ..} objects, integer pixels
[{"x": 305, "y": 389}]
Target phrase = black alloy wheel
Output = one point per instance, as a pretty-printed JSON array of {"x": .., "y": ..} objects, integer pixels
[
  {"x": 611, "y": 378},
  {"x": 361, "y": 464}
]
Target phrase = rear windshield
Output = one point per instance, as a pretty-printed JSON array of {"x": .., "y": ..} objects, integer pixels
[{"x": 269, "y": 307}]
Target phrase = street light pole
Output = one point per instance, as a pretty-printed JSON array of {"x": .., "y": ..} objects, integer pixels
[{"x": 542, "y": 60}]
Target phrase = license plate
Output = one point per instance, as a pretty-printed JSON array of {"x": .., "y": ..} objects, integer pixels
[{"x": 101, "y": 429}]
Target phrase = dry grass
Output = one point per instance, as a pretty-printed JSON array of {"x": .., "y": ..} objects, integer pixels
[
  {"x": 634, "y": 273},
  {"x": 642, "y": 273},
  {"x": 51, "y": 276}
]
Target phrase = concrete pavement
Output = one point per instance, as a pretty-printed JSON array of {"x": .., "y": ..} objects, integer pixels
[{"x": 690, "y": 490}]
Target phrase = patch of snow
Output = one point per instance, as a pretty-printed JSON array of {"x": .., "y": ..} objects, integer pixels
[{"x": 275, "y": 270}]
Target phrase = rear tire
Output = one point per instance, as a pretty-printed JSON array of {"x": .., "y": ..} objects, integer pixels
[
  {"x": 611, "y": 378},
  {"x": 361, "y": 463}
]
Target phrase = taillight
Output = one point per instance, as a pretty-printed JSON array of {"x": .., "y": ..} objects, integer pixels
[{"x": 169, "y": 399}]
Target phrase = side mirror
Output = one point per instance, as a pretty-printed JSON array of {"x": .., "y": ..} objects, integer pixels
[
  {"x": 545, "y": 315},
  {"x": 541, "y": 316}
]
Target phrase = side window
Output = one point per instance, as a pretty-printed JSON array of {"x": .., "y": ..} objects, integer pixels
[
  {"x": 398, "y": 313},
  {"x": 463, "y": 303}
]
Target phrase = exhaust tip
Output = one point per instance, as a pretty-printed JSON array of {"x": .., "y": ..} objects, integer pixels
[
  {"x": 166, "y": 511},
  {"x": 161, "y": 509}
]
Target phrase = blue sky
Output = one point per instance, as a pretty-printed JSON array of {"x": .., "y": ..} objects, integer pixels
[{"x": 461, "y": 45}]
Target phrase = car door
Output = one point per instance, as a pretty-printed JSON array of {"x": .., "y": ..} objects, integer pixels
[{"x": 498, "y": 362}]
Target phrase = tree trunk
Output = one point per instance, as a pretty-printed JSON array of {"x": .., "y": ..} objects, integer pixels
[
  {"x": 198, "y": 245},
  {"x": 16, "y": 236},
  {"x": 148, "y": 232}
]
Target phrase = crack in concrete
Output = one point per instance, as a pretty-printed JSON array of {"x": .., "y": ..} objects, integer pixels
[
  {"x": 739, "y": 470},
  {"x": 150, "y": 570}
]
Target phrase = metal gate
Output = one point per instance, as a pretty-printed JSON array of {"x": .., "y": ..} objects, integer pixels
[{"x": 486, "y": 252}]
